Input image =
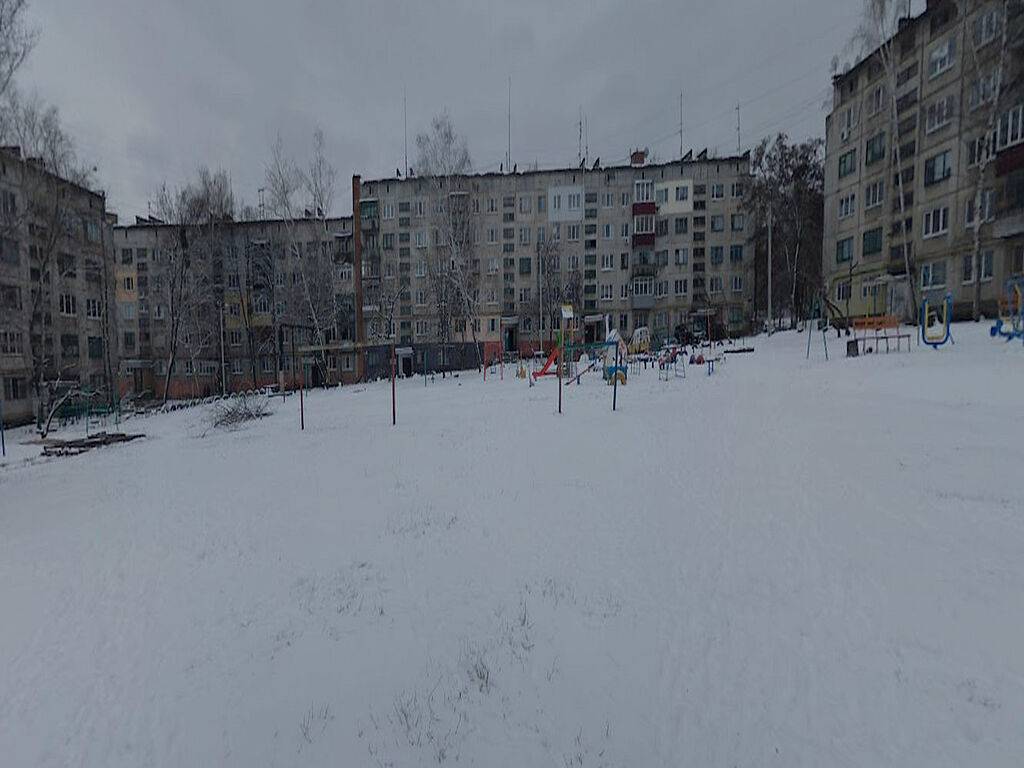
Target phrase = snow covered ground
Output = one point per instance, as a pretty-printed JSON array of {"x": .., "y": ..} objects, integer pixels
[{"x": 788, "y": 563}]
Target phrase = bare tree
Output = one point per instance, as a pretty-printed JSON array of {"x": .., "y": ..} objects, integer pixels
[
  {"x": 197, "y": 214},
  {"x": 16, "y": 40},
  {"x": 988, "y": 87},
  {"x": 286, "y": 184},
  {"x": 878, "y": 36},
  {"x": 444, "y": 162},
  {"x": 51, "y": 169},
  {"x": 788, "y": 187}
]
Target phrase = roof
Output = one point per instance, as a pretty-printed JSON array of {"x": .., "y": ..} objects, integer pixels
[
  {"x": 745, "y": 157},
  {"x": 14, "y": 153}
]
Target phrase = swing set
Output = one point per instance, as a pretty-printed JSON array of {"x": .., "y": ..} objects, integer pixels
[
  {"x": 939, "y": 314},
  {"x": 1010, "y": 323}
]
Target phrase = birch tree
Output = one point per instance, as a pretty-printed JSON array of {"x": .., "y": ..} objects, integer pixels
[
  {"x": 16, "y": 40},
  {"x": 878, "y": 36},
  {"x": 444, "y": 163},
  {"x": 986, "y": 93}
]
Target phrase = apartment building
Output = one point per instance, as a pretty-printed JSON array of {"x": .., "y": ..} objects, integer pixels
[
  {"x": 945, "y": 62},
  {"x": 55, "y": 288},
  {"x": 658, "y": 245},
  {"x": 241, "y": 304}
]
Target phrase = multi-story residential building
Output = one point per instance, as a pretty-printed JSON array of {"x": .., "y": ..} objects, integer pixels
[
  {"x": 944, "y": 63},
  {"x": 56, "y": 277},
  {"x": 639, "y": 245},
  {"x": 233, "y": 305}
]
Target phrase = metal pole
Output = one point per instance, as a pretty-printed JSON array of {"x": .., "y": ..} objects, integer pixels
[
  {"x": 771, "y": 325},
  {"x": 3, "y": 442},
  {"x": 615, "y": 378},
  {"x": 223, "y": 370},
  {"x": 561, "y": 357},
  {"x": 393, "y": 417},
  {"x": 302, "y": 402}
]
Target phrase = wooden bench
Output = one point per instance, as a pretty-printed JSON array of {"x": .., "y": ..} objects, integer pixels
[{"x": 886, "y": 331}]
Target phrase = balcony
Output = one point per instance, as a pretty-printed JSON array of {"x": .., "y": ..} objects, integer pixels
[
  {"x": 644, "y": 209},
  {"x": 642, "y": 240},
  {"x": 643, "y": 302},
  {"x": 644, "y": 270}
]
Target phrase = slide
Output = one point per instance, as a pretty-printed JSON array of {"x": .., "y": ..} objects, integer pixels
[{"x": 546, "y": 370}]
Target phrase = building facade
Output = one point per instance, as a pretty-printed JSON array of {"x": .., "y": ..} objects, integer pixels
[
  {"x": 913, "y": 120},
  {"x": 643, "y": 245},
  {"x": 56, "y": 289},
  {"x": 224, "y": 306}
]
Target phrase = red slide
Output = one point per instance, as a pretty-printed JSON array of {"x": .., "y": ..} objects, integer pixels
[{"x": 545, "y": 371}]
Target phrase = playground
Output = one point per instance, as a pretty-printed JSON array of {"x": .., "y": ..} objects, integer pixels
[{"x": 775, "y": 559}]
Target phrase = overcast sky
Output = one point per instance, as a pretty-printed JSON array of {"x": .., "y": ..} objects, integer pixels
[{"x": 151, "y": 90}]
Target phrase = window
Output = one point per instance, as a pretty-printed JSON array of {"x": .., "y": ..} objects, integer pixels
[
  {"x": 983, "y": 88},
  {"x": 127, "y": 255},
  {"x": 9, "y": 251},
  {"x": 1011, "y": 128},
  {"x": 606, "y": 292},
  {"x": 609, "y": 200},
  {"x": 624, "y": 229},
  {"x": 420, "y": 209},
  {"x": 421, "y": 239},
  {"x": 14, "y": 388},
  {"x": 680, "y": 287},
  {"x": 11, "y": 343},
  {"x": 574, "y": 201},
  {"x": 572, "y": 232},
  {"x": 736, "y": 253},
  {"x": 736, "y": 284},
  {"x": 624, "y": 291},
  {"x": 644, "y": 191},
  {"x": 643, "y": 286},
  {"x": 715, "y": 284},
  {"x": 874, "y": 150},
  {"x": 682, "y": 193},
  {"x": 607, "y": 261},
  {"x": 129, "y": 340},
  {"x": 737, "y": 222},
  {"x": 844, "y": 250},
  {"x": 987, "y": 209},
  {"x": 717, "y": 191},
  {"x": 940, "y": 113},
  {"x": 942, "y": 57},
  {"x": 987, "y": 259},
  {"x": 847, "y": 120},
  {"x": 843, "y": 290},
  {"x": 388, "y": 211},
  {"x": 987, "y": 27},
  {"x": 847, "y": 163},
  {"x": 874, "y": 194},
  {"x": 682, "y": 256},
  {"x": 718, "y": 223},
  {"x": 387, "y": 241},
  {"x": 643, "y": 225},
  {"x": 876, "y": 100},
  {"x": 938, "y": 168},
  {"x": 524, "y": 235},
  {"x": 905, "y": 75},
  {"x": 625, "y": 198},
  {"x": 847, "y": 205},
  {"x": 717, "y": 254},
  {"x": 737, "y": 189},
  {"x": 8, "y": 203},
  {"x": 525, "y": 265},
  {"x": 129, "y": 283},
  {"x": 661, "y": 195},
  {"x": 933, "y": 274},
  {"x": 936, "y": 222},
  {"x": 682, "y": 225},
  {"x": 872, "y": 243},
  {"x": 68, "y": 304}
]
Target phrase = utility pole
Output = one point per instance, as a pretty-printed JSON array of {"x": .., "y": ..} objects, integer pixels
[
  {"x": 680, "y": 125},
  {"x": 223, "y": 370},
  {"x": 405, "y": 130},
  {"x": 739, "y": 148},
  {"x": 771, "y": 325},
  {"x": 508, "y": 153}
]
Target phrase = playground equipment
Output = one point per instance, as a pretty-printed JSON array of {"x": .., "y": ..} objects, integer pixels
[
  {"x": 817, "y": 312},
  {"x": 494, "y": 352},
  {"x": 929, "y": 312},
  {"x": 640, "y": 343},
  {"x": 671, "y": 363},
  {"x": 1010, "y": 323},
  {"x": 552, "y": 359},
  {"x": 615, "y": 355}
]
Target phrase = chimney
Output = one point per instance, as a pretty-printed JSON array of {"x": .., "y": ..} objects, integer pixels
[{"x": 638, "y": 158}]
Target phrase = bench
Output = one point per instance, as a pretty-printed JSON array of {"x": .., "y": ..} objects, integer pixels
[{"x": 886, "y": 330}]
